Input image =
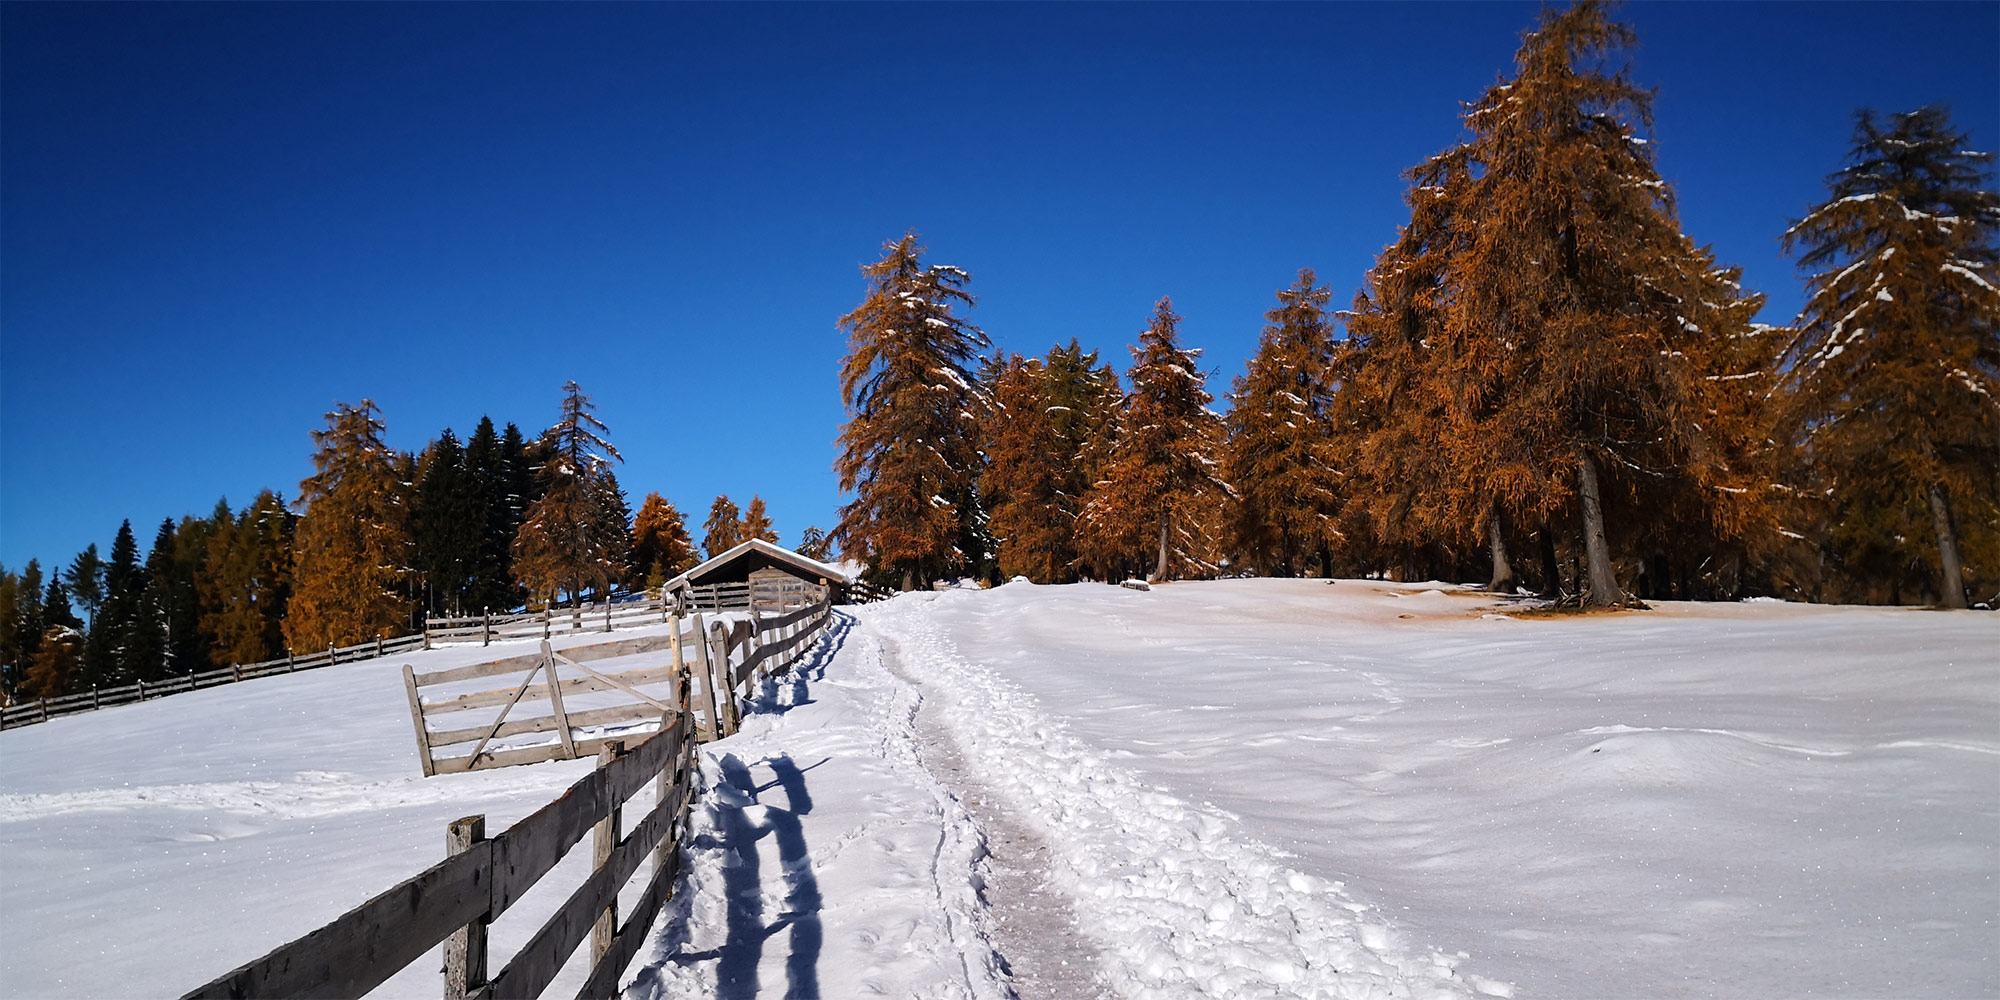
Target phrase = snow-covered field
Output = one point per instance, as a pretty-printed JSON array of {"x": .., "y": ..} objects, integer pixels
[{"x": 1228, "y": 789}]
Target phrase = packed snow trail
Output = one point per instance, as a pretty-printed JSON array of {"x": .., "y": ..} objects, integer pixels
[
  {"x": 831, "y": 858},
  {"x": 1177, "y": 901}
]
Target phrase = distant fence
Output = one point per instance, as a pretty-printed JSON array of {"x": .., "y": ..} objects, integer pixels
[
  {"x": 16, "y": 716},
  {"x": 550, "y": 622},
  {"x": 486, "y": 628},
  {"x": 453, "y": 901}
]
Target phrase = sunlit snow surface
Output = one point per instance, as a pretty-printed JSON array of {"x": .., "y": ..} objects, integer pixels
[
  {"x": 1701, "y": 800},
  {"x": 1248, "y": 788}
]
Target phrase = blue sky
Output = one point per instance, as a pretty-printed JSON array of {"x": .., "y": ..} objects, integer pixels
[{"x": 217, "y": 220}]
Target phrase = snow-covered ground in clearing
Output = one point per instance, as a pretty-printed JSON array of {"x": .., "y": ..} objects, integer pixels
[
  {"x": 1702, "y": 800},
  {"x": 1225, "y": 789},
  {"x": 149, "y": 848}
]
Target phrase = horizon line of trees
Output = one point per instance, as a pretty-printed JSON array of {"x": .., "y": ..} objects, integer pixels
[
  {"x": 1544, "y": 380},
  {"x": 377, "y": 540}
]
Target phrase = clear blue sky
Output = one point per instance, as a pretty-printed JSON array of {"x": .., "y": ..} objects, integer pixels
[{"x": 216, "y": 220}]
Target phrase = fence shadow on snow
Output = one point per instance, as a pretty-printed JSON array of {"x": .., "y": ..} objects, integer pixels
[{"x": 750, "y": 930}]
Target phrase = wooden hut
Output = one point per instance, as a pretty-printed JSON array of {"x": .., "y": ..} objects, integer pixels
[{"x": 775, "y": 577}]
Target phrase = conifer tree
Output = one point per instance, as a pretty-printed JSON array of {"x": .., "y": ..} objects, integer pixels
[
  {"x": 1572, "y": 302},
  {"x": 1022, "y": 484},
  {"x": 117, "y": 643},
  {"x": 573, "y": 536},
  {"x": 757, "y": 521},
  {"x": 171, "y": 597},
  {"x": 661, "y": 548},
  {"x": 612, "y": 527},
  {"x": 57, "y": 668},
  {"x": 1044, "y": 428},
  {"x": 448, "y": 525},
  {"x": 909, "y": 447},
  {"x": 1278, "y": 459},
  {"x": 11, "y": 666},
  {"x": 352, "y": 541},
  {"x": 490, "y": 586},
  {"x": 247, "y": 581},
  {"x": 1162, "y": 467},
  {"x": 85, "y": 581},
  {"x": 724, "y": 528},
  {"x": 1387, "y": 424},
  {"x": 1892, "y": 387},
  {"x": 814, "y": 544},
  {"x": 31, "y": 621}
]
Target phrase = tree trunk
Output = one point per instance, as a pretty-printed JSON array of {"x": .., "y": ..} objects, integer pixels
[
  {"x": 909, "y": 579},
  {"x": 1603, "y": 587},
  {"x": 1160, "y": 568},
  {"x": 1496, "y": 545},
  {"x": 1952, "y": 589},
  {"x": 1551, "y": 569}
]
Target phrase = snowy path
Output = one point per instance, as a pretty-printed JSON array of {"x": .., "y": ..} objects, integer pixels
[{"x": 843, "y": 850}]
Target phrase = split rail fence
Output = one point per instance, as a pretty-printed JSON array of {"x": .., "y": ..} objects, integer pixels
[
  {"x": 709, "y": 665},
  {"x": 16, "y": 716}
]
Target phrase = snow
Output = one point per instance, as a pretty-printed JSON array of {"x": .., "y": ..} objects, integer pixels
[
  {"x": 1738, "y": 800},
  {"x": 1246, "y": 788}
]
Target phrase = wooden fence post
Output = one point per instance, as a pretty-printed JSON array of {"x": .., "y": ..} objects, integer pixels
[
  {"x": 714, "y": 727},
  {"x": 603, "y": 838},
  {"x": 486, "y": 626},
  {"x": 465, "y": 949},
  {"x": 720, "y": 680},
  {"x": 291, "y": 660},
  {"x": 332, "y": 652},
  {"x": 94, "y": 706}
]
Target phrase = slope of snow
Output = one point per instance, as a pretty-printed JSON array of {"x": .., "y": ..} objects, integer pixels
[
  {"x": 1734, "y": 800},
  {"x": 1234, "y": 789}
]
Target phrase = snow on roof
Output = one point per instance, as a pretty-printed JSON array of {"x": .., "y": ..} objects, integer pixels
[{"x": 780, "y": 553}]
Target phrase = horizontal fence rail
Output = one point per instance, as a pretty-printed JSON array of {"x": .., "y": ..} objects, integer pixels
[
  {"x": 453, "y": 901},
  {"x": 15, "y": 716}
]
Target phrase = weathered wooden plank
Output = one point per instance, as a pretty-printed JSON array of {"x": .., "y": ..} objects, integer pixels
[
  {"x": 598, "y": 651},
  {"x": 491, "y": 668},
  {"x": 511, "y": 702},
  {"x": 417, "y": 719},
  {"x": 619, "y": 684},
  {"x": 603, "y": 842},
  {"x": 605, "y": 977},
  {"x": 531, "y": 847},
  {"x": 571, "y": 687},
  {"x": 547, "y": 724},
  {"x": 556, "y": 705},
  {"x": 365, "y": 946},
  {"x": 537, "y": 963},
  {"x": 465, "y": 949}
]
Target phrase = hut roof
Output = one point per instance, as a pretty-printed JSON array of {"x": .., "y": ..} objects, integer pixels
[{"x": 758, "y": 552}]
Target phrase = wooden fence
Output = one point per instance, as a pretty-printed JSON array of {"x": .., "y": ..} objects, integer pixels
[
  {"x": 15, "y": 716},
  {"x": 546, "y": 623},
  {"x": 604, "y": 617},
  {"x": 453, "y": 901}
]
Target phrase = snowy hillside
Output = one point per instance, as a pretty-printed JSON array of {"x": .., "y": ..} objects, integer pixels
[{"x": 1229, "y": 789}]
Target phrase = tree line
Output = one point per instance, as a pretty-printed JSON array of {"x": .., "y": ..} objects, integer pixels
[
  {"x": 1543, "y": 380},
  {"x": 377, "y": 539}
]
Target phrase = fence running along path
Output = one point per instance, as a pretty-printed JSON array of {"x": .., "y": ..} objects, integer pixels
[
  {"x": 16, "y": 716},
  {"x": 454, "y": 900}
]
